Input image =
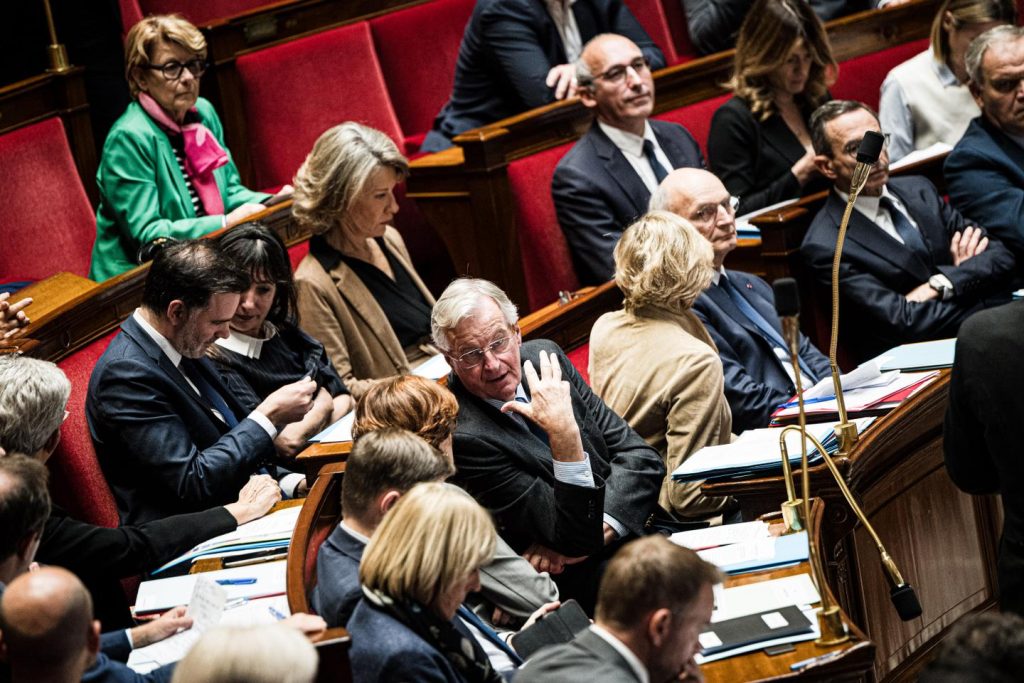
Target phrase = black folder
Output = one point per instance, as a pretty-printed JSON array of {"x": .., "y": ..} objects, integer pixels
[{"x": 753, "y": 628}]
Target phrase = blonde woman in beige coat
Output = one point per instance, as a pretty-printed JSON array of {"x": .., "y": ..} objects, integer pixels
[
  {"x": 653, "y": 362},
  {"x": 358, "y": 292}
]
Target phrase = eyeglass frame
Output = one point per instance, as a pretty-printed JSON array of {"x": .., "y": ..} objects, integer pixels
[
  {"x": 201, "y": 64},
  {"x": 731, "y": 204},
  {"x": 499, "y": 345},
  {"x": 638, "y": 65}
]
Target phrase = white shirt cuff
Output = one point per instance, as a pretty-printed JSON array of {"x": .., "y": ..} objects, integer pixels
[
  {"x": 577, "y": 473},
  {"x": 289, "y": 483},
  {"x": 264, "y": 421},
  {"x": 616, "y": 525},
  {"x": 131, "y": 643}
]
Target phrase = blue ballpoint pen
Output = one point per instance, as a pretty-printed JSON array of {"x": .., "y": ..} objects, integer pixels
[{"x": 236, "y": 582}]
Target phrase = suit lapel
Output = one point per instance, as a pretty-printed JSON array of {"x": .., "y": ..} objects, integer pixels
[
  {"x": 1006, "y": 145},
  {"x": 619, "y": 169},
  {"x": 669, "y": 144},
  {"x": 722, "y": 299},
  {"x": 756, "y": 301},
  {"x": 873, "y": 239},
  {"x": 777, "y": 135},
  {"x": 362, "y": 303}
]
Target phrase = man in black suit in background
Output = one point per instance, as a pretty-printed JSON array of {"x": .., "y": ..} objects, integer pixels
[
  {"x": 912, "y": 267},
  {"x": 538, "y": 450},
  {"x": 603, "y": 183},
  {"x": 168, "y": 433},
  {"x": 517, "y": 55},
  {"x": 655, "y": 599},
  {"x": 982, "y": 432}
]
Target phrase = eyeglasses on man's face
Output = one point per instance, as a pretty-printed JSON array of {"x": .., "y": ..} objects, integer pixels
[
  {"x": 850, "y": 149},
  {"x": 471, "y": 359},
  {"x": 707, "y": 213},
  {"x": 172, "y": 70},
  {"x": 617, "y": 73}
]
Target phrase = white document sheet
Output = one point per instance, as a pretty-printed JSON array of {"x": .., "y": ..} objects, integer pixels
[
  {"x": 434, "y": 368},
  {"x": 725, "y": 534},
  {"x": 163, "y": 594},
  {"x": 339, "y": 431},
  {"x": 763, "y": 596}
]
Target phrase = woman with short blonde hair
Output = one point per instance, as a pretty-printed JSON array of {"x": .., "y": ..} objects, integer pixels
[
  {"x": 272, "y": 653},
  {"x": 358, "y": 291},
  {"x": 420, "y": 564},
  {"x": 759, "y": 144},
  {"x": 926, "y": 100},
  {"x": 653, "y": 362}
]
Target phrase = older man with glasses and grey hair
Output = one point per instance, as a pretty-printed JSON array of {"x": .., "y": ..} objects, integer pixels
[{"x": 565, "y": 477}]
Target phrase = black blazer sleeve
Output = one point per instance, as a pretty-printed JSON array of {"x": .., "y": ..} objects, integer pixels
[
  {"x": 713, "y": 24},
  {"x": 512, "y": 37},
  {"x": 622, "y": 22},
  {"x": 589, "y": 224},
  {"x": 968, "y": 460},
  {"x": 735, "y": 149},
  {"x": 115, "y": 645},
  {"x": 95, "y": 551}
]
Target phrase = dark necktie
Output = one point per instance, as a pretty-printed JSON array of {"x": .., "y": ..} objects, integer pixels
[
  {"x": 531, "y": 425},
  {"x": 910, "y": 235},
  {"x": 659, "y": 170},
  {"x": 769, "y": 332},
  {"x": 489, "y": 633},
  {"x": 194, "y": 371}
]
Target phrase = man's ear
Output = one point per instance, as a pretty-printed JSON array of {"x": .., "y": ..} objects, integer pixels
[
  {"x": 659, "y": 626},
  {"x": 177, "y": 312},
  {"x": 975, "y": 89},
  {"x": 51, "y": 443},
  {"x": 387, "y": 501},
  {"x": 586, "y": 95},
  {"x": 824, "y": 164},
  {"x": 93, "y": 639},
  {"x": 27, "y": 546}
]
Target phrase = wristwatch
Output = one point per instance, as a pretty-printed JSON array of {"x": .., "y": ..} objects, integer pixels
[{"x": 941, "y": 285}]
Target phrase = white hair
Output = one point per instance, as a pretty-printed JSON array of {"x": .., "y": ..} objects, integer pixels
[
  {"x": 33, "y": 396},
  {"x": 980, "y": 45},
  {"x": 271, "y": 653},
  {"x": 460, "y": 300}
]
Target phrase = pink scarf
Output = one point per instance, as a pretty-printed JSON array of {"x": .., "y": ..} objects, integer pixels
[{"x": 203, "y": 154}]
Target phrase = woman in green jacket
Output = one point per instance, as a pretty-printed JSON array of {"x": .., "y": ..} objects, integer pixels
[{"x": 164, "y": 171}]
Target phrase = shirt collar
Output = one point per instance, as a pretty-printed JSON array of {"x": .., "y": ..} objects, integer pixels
[
  {"x": 947, "y": 78},
  {"x": 627, "y": 142},
  {"x": 717, "y": 275},
  {"x": 520, "y": 393},
  {"x": 160, "y": 340},
  {"x": 869, "y": 206},
  {"x": 247, "y": 346},
  {"x": 634, "y": 662},
  {"x": 353, "y": 533}
]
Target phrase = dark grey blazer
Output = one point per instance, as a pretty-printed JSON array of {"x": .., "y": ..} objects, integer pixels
[
  {"x": 337, "y": 590},
  {"x": 510, "y": 472},
  {"x": 588, "y": 657}
]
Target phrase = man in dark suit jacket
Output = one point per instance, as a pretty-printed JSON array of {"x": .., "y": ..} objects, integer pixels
[
  {"x": 738, "y": 309},
  {"x": 912, "y": 268},
  {"x": 603, "y": 183},
  {"x": 638, "y": 634},
  {"x": 515, "y": 56},
  {"x": 985, "y": 171},
  {"x": 982, "y": 438},
  {"x": 35, "y": 396},
  {"x": 169, "y": 435},
  {"x": 539, "y": 454}
]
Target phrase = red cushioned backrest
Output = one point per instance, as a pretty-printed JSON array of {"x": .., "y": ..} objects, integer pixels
[
  {"x": 679, "y": 30},
  {"x": 696, "y": 118},
  {"x": 131, "y": 13},
  {"x": 47, "y": 224},
  {"x": 651, "y": 16},
  {"x": 77, "y": 480},
  {"x": 297, "y": 252},
  {"x": 861, "y": 78},
  {"x": 419, "y": 73},
  {"x": 200, "y": 11},
  {"x": 547, "y": 264},
  {"x": 580, "y": 359},
  {"x": 293, "y": 92},
  {"x": 317, "y": 536}
]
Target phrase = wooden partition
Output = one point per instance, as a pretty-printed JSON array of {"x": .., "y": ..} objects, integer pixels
[
  {"x": 464, "y": 191},
  {"x": 944, "y": 541}
]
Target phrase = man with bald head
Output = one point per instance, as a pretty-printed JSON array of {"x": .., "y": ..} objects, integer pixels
[
  {"x": 604, "y": 182},
  {"x": 738, "y": 309}
]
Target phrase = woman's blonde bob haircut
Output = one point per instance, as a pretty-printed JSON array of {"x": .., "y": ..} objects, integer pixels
[
  {"x": 433, "y": 538},
  {"x": 408, "y": 402},
  {"x": 662, "y": 261},
  {"x": 270, "y": 653},
  {"x": 964, "y": 13},
  {"x": 337, "y": 171},
  {"x": 143, "y": 38},
  {"x": 769, "y": 32}
]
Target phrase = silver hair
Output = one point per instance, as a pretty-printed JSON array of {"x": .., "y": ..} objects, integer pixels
[
  {"x": 584, "y": 76},
  {"x": 460, "y": 300},
  {"x": 269, "y": 653},
  {"x": 661, "y": 198},
  {"x": 33, "y": 396},
  {"x": 980, "y": 45}
]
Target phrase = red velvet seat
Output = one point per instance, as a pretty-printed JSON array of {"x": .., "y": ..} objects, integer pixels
[
  {"x": 696, "y": 118},
  {"x": 651, "y": 15},
  {"x": 678, "y": 30},
  {"x": 580, "y": 359},
  {"x": 547, "y": 264},
  {"x": 861, "y": 78},
  {"x": 198, "y": 12},
  {"x": 48, "y": 225},
  {"x": 320, "y": 513},
  {"x": 293, "y": 92},
  {"x": 418, "y": 73}
]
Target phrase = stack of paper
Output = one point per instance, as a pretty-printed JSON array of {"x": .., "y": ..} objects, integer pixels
[
  {"x": 240, "y": 583},
  {"x": 746, "y": 547},
  {"x": 757, "y": 452},
  {"x": 873, "y": 399},
  {"x": 931, "y": 355},
  {"x": 339, "y": 431},
  {"x": 263, "y": 538}
]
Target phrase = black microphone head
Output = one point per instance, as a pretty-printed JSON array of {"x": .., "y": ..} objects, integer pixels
[
  {"x": 787, "y": 297},
  {"x": 904, "y": 599},
  {"x": 870, "y": 147}
]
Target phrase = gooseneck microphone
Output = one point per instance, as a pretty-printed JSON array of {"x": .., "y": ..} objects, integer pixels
[
  {"x": 904, "y": 599},
  {"x": 867, "y": 155}
]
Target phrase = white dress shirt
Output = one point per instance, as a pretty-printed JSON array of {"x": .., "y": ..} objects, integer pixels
[
  {"x": 565, "y": 22},
  {"x": 632, "y": 147}
]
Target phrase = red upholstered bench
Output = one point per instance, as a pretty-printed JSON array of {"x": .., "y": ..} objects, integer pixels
[
  {"x": 580, "y": 359},
  {"x": 547, "y": 264},
  {"x": 293, "y": 92},
  {"x": 665, "y": 23},
  {"x": 48, "y": 225},
  {"x": 419, "y": 73},
  {"x": 861, "y": 78},
  {"x": 196, "y": 11},
  {"x": 696, "y": 118}
]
